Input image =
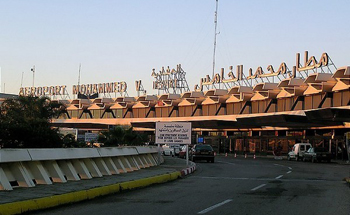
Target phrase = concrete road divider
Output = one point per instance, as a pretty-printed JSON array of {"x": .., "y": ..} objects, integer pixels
[{"x": 29, "y": 167}]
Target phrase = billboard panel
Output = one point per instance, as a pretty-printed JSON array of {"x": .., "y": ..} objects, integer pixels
[{"x": 173, "y": 132}]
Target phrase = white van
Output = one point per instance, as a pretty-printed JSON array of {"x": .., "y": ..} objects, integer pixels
[{"x": 298, "y": 151}]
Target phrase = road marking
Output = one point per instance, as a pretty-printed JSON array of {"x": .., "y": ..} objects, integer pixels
[
  {"x": 279, "y": 165},
  {"x": 289, "y": 172},
  {"x": 211, "y": 177},
  {"x": 225, "y": 162},
  {"x": 214, "y": 206},
  {"x": 261, "y": 179},
  {"x": 290, "y": 168},
  {"x": 278, "y": 177},
  {"x": 258, "y": 187}
]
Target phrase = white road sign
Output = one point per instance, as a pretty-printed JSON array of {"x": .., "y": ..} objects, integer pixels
[
  {"x": 90, "y": 137},
  {"x": 173, "y": 132}
]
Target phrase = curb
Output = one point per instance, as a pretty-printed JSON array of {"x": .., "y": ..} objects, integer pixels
[
  {"x": 188, "y": 170},
  {"x": 56, "y": 200}
]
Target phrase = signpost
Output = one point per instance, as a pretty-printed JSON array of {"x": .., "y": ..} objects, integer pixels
[
  {"x": 174, "y": 133},
  {"x": 348, "y": 145}
]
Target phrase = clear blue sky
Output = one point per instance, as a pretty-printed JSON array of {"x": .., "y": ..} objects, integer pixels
[{"x": 123, "y": 40}]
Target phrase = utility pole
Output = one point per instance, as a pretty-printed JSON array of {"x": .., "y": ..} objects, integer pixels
[
  {"x": 79, "y": 75},
  {"x": 33, "y": 70},
  {"x": 216, "y": 23},
  {"x": 22, "y": 79},
  {"x": 79, "y": 80}
]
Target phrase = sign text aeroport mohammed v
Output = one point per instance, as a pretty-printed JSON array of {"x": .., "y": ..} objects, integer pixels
[
  {"x": 173, "y": 133},
  {"x": 310, "y": 63},
  {"x": 85, "y": 89}
]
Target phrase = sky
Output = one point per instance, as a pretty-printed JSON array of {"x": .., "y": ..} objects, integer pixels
[{"x": 124, "y": 40}]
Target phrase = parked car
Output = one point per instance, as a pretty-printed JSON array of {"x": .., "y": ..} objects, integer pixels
[
  {"x": 317, "y": 154},
  {"x": 168, "y": 151},
  {"x": 202, "y": 152},
  {"x": 182, "y": 153},
  {"x": 298, "y": 151},
  {"x": 177, "y": 149}
]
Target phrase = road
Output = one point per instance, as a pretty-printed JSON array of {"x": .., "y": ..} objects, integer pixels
[{"x": 234, "y": 186}]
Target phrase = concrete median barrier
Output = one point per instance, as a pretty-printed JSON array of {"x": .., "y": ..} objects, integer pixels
[{"x": 29, "y": 167}]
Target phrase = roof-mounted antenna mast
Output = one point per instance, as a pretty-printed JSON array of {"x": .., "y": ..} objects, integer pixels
[
  {"x": 216, "y": 23},
  {"x": 79, "y": 78},
  {"x": 79, "y": 75}
]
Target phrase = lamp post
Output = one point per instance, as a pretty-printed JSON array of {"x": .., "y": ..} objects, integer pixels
[{"x": 33, "y": 70}]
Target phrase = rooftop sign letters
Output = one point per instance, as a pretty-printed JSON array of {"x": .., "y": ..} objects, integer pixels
[
  {"x": 309, "y": 64},
  {"x": 174, "y": 80},
  {"x": 43, "y": 91},
  {"x": 88, "y": 89},
  {"x": 170, "y": 79}
]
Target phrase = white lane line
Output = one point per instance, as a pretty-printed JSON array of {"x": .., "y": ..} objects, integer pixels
[
  {"x": 261, "y": 179},
  {"x": 214, "y": 206},
  {"x": 279, "y": 165},
  {"x": 258, "y": 187},
  {"x": 225, "y": 162},
  {"x": 290, "y": 168},
  {"x": 278, "y": 177},
  {"x": 289, "y": 172},
  {"x": 228, "y": 178}
]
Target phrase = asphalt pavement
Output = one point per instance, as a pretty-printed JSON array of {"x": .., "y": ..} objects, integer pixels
[
  {"x": 231, "y": 185},
  {"x": 39, "y": 197}
]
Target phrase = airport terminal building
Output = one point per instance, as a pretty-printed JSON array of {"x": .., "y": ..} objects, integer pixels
[{"x": 235, "y": 114}]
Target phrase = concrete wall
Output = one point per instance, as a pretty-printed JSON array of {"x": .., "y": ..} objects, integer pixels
[{"x": 28, "y": 167}]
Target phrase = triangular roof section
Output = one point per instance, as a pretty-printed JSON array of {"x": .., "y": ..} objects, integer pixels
[
  {"x": 168, "y": 103},
  {"x": 103, "y": 100},
  {"x": 211, "y": 100},
  {"x": 143, "y": 104},
  {"x": 145, "y": 101},
  {"x": 97, "y": 100},
  {"x": 193, "y": 94},
  {"x": 72, "y": 107},
  {"x": 147, "y": 98},
  {"x": 215, "y": 96},
  {"x": 81, "y": 102},
  {"x": 95, "y": 106},
  {"x": 240, "y": 89},
  {"x": 119, "y": 105},
  {"x": 342, "y": 75},
  {"x": 319, "y": 82},
  {"x": 215, "y": 92},
  {"x": 169, "y": 96},
  {"x": 265, "y": 91},
  {"x": 291, "y": 87},
  {"x": 215, "y": 99},
  {"x": 239, "y": 93},
  {"x": 125, "y": 99},
  {"x": 191, "y": 101}
]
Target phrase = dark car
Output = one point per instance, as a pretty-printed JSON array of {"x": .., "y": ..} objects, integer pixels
[
  {"x": 202, "y": 152},
  {"x": 317, "y": 154}
]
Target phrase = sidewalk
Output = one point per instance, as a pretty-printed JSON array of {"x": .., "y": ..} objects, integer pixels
[{"x": 45, "y": 196}]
